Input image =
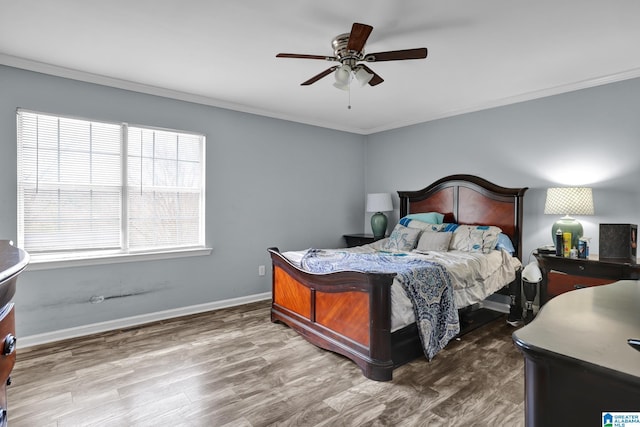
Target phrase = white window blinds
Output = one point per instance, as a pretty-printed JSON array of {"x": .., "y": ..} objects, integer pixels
[
  {"x": 72, "y": 194},
  {"x": 165, "y": 188}
]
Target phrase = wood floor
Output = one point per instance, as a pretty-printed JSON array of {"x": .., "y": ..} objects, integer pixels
[{"x": 234, "y": 367}]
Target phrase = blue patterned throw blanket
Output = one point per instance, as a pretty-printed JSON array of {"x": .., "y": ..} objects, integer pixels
[{"x": 426, "y": 283}]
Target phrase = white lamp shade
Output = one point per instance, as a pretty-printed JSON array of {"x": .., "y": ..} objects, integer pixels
[
  {"x": 379, "y": 202},
  {"x": 363, "y": 76},
  {"x": 343, "y": 77},
  {"x": 569, "y": 201},
  {"x": 341, "y": 86}
]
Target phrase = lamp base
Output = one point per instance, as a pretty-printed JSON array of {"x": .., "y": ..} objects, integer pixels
[
  {"x": 378, "y": 225},
  {"x": 570, "y": 225}
]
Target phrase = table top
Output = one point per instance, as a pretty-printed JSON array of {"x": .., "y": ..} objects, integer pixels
[
  {"x": 590, "y": 326},
  {"x": 12, "y": 260}
]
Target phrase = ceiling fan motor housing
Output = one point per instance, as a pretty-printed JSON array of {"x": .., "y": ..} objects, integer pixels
[{"x": 344, "y": 55}]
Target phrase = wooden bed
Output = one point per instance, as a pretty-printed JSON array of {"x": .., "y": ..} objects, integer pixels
[{"x": 349, "y": 312}]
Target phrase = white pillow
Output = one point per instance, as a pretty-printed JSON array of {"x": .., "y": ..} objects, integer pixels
[
  {"x": 434, "y": 242},
  {"x": 475, "y": 238},
  {"x": 401, "y": 239},
  {"x": 416, "y": 223}
]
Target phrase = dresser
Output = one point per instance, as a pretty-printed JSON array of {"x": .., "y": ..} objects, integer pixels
[
  {"x": 560, "y": 275},
  {"x": 12, "y": 262},
  {"x": 578, "y": 362}
]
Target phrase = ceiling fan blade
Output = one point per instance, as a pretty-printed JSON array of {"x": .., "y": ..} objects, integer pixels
[
  {"x": 358, "y": 37},
  {"x": 319, "y": 76},
  {"x": 376, "y": 79},
  {"x": 302, "y": 56},
  {"x": 397, "y": 55}
]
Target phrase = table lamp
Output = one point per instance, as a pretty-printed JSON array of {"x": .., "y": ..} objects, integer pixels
[
  {"x": 569, "y": 201},
  {"x": 378, "y": 203}
]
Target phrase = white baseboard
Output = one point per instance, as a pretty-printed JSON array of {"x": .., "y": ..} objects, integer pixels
[{"x": 126, "y": 322}]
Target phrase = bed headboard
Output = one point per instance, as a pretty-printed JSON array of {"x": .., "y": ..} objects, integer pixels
[{"x": 468, "y": 199}]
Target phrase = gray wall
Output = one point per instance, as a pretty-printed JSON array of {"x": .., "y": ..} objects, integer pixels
[
  {"x": 587, "y": 137},
  {"x": 269, "y": 183},
  {"x": 277, "y": 183}
]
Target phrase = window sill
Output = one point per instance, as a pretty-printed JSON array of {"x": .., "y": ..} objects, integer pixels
[{"x": 48, "y": 262}]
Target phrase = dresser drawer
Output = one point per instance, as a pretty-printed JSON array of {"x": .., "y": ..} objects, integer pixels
[
  {"x": 591, "y": 269},
  {"x": 559, "y": 283},
  {"x": 561, "y": 274}
]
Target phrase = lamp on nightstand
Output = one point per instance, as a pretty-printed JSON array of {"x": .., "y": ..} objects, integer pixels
[
  {"x": 569, "y": 201},
  {"x": 378, "y": 203}
]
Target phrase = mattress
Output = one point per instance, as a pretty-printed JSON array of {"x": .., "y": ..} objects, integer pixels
[{"x": 474, "y": 276}]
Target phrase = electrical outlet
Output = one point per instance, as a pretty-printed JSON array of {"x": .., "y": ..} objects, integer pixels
[{"x": 261, "y": 270}]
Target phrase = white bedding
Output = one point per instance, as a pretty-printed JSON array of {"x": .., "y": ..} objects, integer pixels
[{"x": 474, "y": 277}]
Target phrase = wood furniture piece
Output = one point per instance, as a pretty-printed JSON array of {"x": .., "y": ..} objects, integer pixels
[
  {"x": 12, "y": 262},
  {"x": 359, "y": 239},
  {"x": 578, "y": 363},
  {"x": 560, "y": 275},
  {"x": 350, "y": 312}
]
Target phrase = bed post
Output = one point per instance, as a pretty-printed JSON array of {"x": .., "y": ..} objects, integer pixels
[{"x": 515, "y": 301}]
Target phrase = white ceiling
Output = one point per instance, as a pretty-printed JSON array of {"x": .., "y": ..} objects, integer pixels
[{"x": 481, "y": 53}]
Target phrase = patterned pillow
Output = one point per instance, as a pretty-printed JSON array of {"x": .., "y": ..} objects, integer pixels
[
  {"x": 475, "y": 238},
  {"x": 402, "y": 239},
  {"x": 434, "y": 242}
]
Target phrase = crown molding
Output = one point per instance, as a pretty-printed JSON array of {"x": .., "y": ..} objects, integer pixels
[
  {"x": 83, "y": 76},
  {"x": 523, "y": 97}
]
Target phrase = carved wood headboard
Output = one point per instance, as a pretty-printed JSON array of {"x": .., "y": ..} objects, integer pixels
[{"x": 468, "y": 199}]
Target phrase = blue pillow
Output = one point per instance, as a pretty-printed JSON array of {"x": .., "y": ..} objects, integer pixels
[
  {"x": 449, "y": 227},
  {"x": 430, "y": 217},
  {"x": 504, "y": 242}
]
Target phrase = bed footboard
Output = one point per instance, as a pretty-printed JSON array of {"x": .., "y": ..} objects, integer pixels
[{"x": 345, "y": 312}]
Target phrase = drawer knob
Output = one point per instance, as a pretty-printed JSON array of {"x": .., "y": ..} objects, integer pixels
[
  {"x": 581, "y": 267},
  {"x": 9, "y": 345}
]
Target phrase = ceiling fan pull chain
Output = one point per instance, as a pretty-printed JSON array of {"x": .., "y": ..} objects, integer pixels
[{"x": 349, "y": 90}]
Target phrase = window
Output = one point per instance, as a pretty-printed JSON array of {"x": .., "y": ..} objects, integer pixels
[{"x": 79, "y": 196}]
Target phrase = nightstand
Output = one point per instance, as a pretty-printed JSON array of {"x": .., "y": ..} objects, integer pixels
[
  {"x": 359, "y": 239},
  {"x": 560, "y": 275}
]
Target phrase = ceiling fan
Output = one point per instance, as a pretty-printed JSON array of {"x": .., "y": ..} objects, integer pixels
[{"x": 348, "y": 50}]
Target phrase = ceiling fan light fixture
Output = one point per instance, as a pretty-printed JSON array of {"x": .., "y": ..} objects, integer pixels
[
  {"x": 343, "y": 77},
  {"x": 341, "y": 86},
  {"x": 363, "y": 76}
]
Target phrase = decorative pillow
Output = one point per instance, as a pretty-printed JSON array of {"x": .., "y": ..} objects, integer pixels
[
  {"x": 449, "y": 227},
  {"x": 430, "y": 217},
  {"x": 415, "y": 223},
  {"x": 434, "y": 242},
  {"x": 504, "y": 242},
  {"x": 475, "y": 238},
  {"x": 401, "y": 239}
]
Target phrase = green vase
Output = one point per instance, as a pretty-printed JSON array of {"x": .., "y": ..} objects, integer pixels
[
  {"x": 571, "y": 225},
  {"x": 378, "y": 225}
]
